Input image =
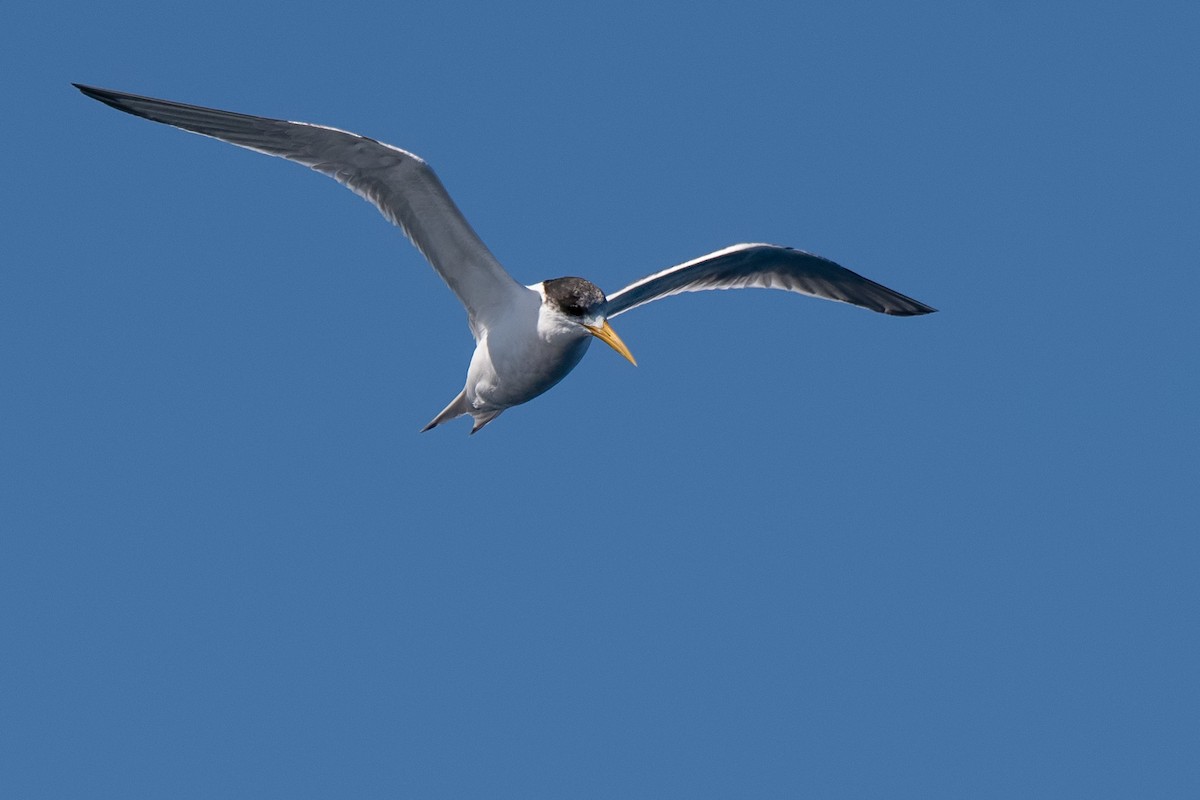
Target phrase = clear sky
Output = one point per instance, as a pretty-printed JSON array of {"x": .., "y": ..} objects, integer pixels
[{"x": 802, "y": 550}]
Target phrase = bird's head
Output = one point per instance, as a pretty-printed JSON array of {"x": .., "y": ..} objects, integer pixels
[{"x": 581, "y": 303}]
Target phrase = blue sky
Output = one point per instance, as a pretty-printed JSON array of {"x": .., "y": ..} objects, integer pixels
[{"x": 801, "y": 550}]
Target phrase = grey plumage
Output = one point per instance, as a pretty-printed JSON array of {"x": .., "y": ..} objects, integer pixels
[{"x": 527, "y": 337}]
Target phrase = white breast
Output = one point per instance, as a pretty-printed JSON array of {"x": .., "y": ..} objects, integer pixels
[{"x": 522, "y": 354}]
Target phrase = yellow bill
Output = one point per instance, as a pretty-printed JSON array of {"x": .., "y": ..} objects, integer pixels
[{"x": 606, "y": 334}]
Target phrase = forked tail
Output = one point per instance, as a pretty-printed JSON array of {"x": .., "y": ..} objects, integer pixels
[{"x": 459, "y": 406}]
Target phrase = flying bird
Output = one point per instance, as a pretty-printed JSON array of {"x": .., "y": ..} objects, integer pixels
[{"x": 527, "y": 338}]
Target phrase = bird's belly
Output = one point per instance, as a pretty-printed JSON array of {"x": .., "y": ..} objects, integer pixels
[{"x": 502, "y": 377}]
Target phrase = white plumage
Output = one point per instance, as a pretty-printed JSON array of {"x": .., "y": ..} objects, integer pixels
[{"x": 527, "y": 337}]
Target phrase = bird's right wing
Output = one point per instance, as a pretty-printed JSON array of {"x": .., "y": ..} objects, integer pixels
[
  {"x": 402, "y": 186},
  {"x": 766, "y": 266}
]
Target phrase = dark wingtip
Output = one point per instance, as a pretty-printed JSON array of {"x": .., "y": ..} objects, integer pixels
[
  {"x": 105, "y": 96},
  {"x": 911, "y": 312}
]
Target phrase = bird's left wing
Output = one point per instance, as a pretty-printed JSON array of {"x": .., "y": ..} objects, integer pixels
[
  {"x": 402, "y": 186},
  {"x": 766, "y": 266}
]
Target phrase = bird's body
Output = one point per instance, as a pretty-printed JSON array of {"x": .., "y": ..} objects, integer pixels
[
  {"x": 528, "y": 338},
  {"x": 524, "y": 353}
]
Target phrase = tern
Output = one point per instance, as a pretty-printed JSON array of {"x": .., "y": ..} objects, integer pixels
[{"x": 527, "y": 338}]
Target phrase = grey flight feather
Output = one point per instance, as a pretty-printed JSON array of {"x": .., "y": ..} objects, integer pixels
[
  {"x": 766, "y": 266},
  {"x": 402, "y": 186}
]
